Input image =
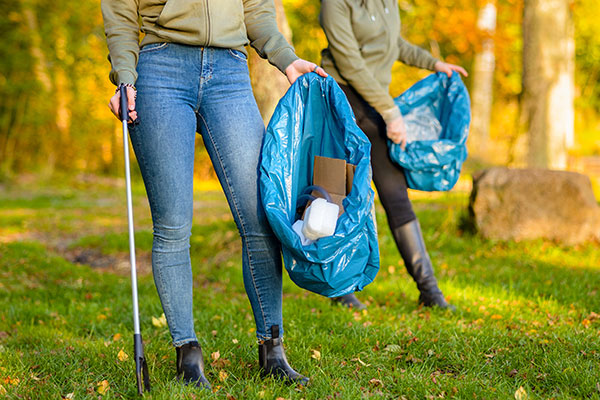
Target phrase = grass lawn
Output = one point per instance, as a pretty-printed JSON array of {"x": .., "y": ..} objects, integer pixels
[{"x": 527, "y": 325}]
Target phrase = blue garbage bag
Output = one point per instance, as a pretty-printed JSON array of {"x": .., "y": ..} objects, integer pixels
[
  {"x": 437, "y": 114},
  {"x": 315, "y": 119}
]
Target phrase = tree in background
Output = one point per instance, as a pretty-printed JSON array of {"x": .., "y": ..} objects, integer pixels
[
  {"x": 483, "y": 82},
  {"x": 547, "y": 103}
]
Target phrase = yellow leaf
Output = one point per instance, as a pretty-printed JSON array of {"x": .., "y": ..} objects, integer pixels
[
  {"x": 316, "y": 354},
  {"x": 391, "y": 269},
  {"x": 496, "y": 316},
  {"x": 223, "y": 375},
  {"x": 215, "y": 356},
  {"x": 159, "y": 322},
  {"x": 116, "y": 337},
  {"x": 103, "y": 387},
  {"x": 122, "y": 356},
  {"x": 521, "y": 394},
  {"x": 69, "y": 396},
  {"x": 235, "y": 341},
  {"x": 2, "y": 390},
  {"x": 101, "y": 317},
  {"x": 586, "y": 322}
]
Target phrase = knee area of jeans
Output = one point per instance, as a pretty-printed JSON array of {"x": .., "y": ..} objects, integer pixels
[{"x": 172, "y": 237}]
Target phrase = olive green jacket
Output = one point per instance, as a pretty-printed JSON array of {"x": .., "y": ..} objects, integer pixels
[
  {"x": 217, "y": 23},
  {"x": 364, "y": 42}
]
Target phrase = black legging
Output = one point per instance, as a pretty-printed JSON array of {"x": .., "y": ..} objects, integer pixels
[{"x": 388, "y": 177}]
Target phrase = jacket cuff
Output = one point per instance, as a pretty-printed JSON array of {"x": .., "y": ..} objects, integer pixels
[
  {"x": 390, "y": 114},
  {"x": 124, "y": 76},
  {"x": 283, "y": 59},
  {"x": 431, "y": 63}
]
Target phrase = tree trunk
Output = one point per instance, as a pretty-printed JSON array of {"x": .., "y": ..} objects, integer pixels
[
  {"x": 547, "y": 98},
  {"x": 483, "y": 78},
  {"x": 268, "y": 83}
]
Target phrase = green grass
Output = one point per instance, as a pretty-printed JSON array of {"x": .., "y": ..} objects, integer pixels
[{"x": 527, "y": 312}]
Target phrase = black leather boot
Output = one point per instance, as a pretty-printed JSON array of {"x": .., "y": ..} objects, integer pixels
[
  {"x": 411, "y": 245},
  {"x": 272, "y": 360},
  {"x": 190, "y": 365},
  {"x": 350, "y": 301}
]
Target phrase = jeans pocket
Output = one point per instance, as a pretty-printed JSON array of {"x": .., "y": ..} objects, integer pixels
[
  {"x": 153, "y": 47},
  {"x": 238, "y": 55}
]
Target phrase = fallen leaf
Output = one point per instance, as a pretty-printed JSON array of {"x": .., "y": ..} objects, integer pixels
[
  {"x": 2, "y": 390},
  {"x": 376, "y": 382},
  {"x": 521, "y": 394},
  {"x": 586, "y": 322},
  {"x": 159, "y": 322},
  {"x": 122, "y": 356},
  {"x": 69, "y": 396},
  {"x": 230, "y": 397},
  {"x": 215, "y": 356},
  {"x": 214, "y": 333},
  {"x": 496, "y": 316},
  {"x": 316, "y": 354},
  {"x": 393, "y": 348},
  {"x": 512, "y": 373},
  {"x": 116, "y": 337},
  {"x": 101, "y": 317},
  {"x": 223, "y": 375},
  {"x": 235, "y": 341},
  {"x": 103, "y": 387}
]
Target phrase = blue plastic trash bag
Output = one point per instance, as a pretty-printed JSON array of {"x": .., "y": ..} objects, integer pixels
[
  {"x": 437, "y": 113},
  {"x": 314, "y": 118}
]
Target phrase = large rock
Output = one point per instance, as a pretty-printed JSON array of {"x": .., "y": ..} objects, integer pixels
[{"x": 534, "y": 203}]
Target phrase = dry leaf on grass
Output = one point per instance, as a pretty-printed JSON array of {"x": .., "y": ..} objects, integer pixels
[
  {"x": 521, "y": 394},
  {"x": 316, "y": 354},
  {"x": 122, "y": 356},
  {"x": 103, "y": 387},
  {"x": 159, "y": 322}
]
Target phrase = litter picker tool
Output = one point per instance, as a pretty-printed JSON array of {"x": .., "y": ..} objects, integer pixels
[{"x": 141, "y": 367}]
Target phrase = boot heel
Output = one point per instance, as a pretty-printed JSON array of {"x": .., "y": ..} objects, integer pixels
[{"x": 272, "y": 360}]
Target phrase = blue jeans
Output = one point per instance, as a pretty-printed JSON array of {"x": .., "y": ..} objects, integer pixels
[{"x": 183, "y": 90}]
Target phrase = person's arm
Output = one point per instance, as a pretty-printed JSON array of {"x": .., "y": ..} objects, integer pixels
[
  {"x": 122, "y": 36},
  {"x": 415, "y": 56},
  {"x": 265, "y": 38},
  {"x": 335, "y": 20}
]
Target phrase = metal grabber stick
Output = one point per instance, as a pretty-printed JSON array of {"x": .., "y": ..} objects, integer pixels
[{"x": 141, "y": 367}]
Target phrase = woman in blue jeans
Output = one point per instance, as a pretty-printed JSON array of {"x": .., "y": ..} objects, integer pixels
[{"x": 191, "y": 75}]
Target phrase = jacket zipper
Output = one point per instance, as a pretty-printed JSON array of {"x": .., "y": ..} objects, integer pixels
[{"x": 208, "y": 27}]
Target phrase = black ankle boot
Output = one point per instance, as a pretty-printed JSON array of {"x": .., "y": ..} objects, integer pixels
[
  {"x": 411, "y": 245},
  {"x": 272, "y": 360},
  {"x": 350, "y": 301},
  {"x": 190, "y": 365}
]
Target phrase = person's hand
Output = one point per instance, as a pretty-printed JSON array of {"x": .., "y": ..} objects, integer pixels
[
  {"x": 115, "y": 104},
  {"x": 300, "y": 67},
  {"x": 396, "y": 131},
  {"x": 446, "y": 68}
]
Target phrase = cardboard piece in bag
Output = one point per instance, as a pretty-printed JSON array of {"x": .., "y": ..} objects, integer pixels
[{"x": 335, "y": 176}]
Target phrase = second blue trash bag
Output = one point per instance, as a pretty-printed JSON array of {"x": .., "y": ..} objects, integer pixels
[
  {"x": 315, "y": 119},
  {"x": 437, "y": 113}
]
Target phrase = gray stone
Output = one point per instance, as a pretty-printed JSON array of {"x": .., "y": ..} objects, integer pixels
[{"x": 518, "y": 204}]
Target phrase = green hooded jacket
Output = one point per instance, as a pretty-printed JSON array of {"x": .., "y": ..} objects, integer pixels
[
  {"x": 216, "y": 23},
  {"x": 364, "y": 42}
]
